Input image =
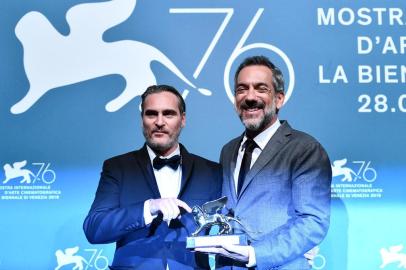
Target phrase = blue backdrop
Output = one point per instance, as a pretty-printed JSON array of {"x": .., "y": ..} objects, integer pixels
[{"x": 72, "y": 71}]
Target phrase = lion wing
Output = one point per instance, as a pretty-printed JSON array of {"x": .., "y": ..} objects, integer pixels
[{"x": 213, "y": 207}]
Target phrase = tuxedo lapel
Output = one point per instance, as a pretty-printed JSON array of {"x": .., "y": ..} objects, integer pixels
[
  {"x": 231, "y": 168},
  {"x": 144, "y": 163},
  {"x": 187, "y": 165},
  {"x": 272, "y": 148}
]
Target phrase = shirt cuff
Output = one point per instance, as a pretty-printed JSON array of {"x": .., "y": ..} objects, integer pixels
[
  {"x": 252, "y": 261},
  {"x": 147, "y": 213}
]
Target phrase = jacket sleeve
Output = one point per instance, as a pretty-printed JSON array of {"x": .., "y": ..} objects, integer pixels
[
  {"x": 108, "y": 221},
  {"x": 311, "y": 180}
]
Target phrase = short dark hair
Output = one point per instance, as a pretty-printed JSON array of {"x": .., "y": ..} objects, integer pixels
[
  {"x": 260, "y": 60},
  {"x": 154, "y": 89}
]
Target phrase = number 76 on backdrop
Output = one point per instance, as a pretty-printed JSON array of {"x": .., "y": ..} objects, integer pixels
[{"x": 239, "y": 49}]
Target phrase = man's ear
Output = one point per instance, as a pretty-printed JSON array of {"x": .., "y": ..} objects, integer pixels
[
  {"x": 279, "y": 99},
  {"x": 183, "y": 120}
]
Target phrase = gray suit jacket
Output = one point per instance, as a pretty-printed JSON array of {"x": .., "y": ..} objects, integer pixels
[{"x": 285, "y": 200}]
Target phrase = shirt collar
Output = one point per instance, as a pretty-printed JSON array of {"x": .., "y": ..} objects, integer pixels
[
  {"x": 263, "y": 138},
  {"x": 152, "y": 154}
]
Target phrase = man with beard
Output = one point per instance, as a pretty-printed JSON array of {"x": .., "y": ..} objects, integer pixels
[
  {"x": 277, "y": 179},
  {"x": 144, "y": 197}
]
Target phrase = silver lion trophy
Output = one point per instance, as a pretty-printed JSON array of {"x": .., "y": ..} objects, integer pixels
[{"x": 208, "y": 215}]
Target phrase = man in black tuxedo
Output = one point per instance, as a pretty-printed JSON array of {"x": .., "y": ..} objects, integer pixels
[{"x": 143, "y": 199}]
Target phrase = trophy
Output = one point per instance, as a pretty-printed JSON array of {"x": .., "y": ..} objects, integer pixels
[{"x": 208, "y": 215}]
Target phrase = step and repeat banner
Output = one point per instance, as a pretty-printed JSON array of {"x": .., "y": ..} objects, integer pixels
[{"x": 71, "y": 75}]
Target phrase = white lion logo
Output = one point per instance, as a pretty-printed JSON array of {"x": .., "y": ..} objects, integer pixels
[
  {"x": 339, "y": 169},
  {"x": 16, "y": 171},
  {"x": 53, "y": 60},
  {"x": 68, "y": 258}
]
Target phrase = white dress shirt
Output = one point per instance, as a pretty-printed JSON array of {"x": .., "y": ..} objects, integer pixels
[
  {"x": 261, "y": 140},
  {"x": 167, "y": 179}
]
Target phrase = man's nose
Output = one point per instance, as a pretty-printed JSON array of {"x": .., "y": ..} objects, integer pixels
[
  {"x": 251, "y": 94},
  {"x": 160, "y": 120}
]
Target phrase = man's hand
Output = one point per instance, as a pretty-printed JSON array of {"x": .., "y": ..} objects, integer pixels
[
  {"x": 169, "y": 207},
  {"x": 236, "y": 252}
]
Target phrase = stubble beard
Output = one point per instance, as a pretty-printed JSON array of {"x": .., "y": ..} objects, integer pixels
[
  {"x": 259, "y": 124},
  {"x": 159, "y": 147}
]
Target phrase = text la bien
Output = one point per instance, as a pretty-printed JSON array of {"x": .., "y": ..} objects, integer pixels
[{"x": 389, "y": 74}]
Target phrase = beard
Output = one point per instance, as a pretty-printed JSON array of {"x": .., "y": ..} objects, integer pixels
[
  {"x": 257, "y": 123},
  {"x": 161, "y": 147}
]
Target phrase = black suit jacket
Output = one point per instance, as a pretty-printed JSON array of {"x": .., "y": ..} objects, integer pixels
[{"x": 116, "y": 215}]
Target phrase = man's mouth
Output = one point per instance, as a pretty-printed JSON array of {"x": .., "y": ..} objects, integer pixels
[
  {"x": 251, "y": 109},
  {"x": 159, "y": 132},
  {"x": 254, "y": 109}
]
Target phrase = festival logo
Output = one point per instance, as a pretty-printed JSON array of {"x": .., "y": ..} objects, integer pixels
[
  {"x": 393, "y": 255},
  {"x": 365, "y": 171},
  {"x": 69, "y": 257},
  {"x": 32, "y": 183},
  {"x": 83, "y": 55},
  {"x": 16, "y": 171},
  {"x": 354, "y": 179},
  {"x": 52, "y": 60}
]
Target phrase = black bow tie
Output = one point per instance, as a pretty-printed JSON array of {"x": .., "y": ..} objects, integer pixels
[{"x": 172, "y": 162}]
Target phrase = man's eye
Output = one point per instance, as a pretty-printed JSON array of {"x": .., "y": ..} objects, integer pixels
[
  {"x": 240, "y": 90},
  {"x": 263, "y": 89},
  {"x": 150, "y": 114},
  {"x": 170, "y": 114}
]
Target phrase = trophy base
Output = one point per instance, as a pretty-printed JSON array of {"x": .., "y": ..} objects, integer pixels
[{"x": 216, "y": 240}]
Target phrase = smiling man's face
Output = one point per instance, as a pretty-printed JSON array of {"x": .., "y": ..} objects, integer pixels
[{"x": 256, "y": 101}]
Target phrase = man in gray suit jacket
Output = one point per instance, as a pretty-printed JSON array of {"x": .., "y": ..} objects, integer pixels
[{"x": 277, "y": 179}]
